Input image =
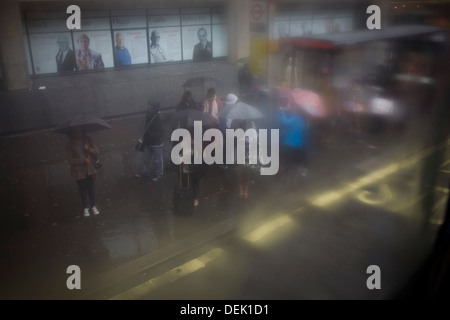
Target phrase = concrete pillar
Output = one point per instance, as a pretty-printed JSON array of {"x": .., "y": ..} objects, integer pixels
[
  {"x": 238, "y": 29},
  {"x": 14, "y": 66}
]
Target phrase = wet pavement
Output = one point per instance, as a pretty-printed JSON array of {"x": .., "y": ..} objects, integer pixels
[{"x": 43, "y": 231}]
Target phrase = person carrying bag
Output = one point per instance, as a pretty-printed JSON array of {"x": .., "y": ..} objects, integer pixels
[{"x": 152, "y": 142}]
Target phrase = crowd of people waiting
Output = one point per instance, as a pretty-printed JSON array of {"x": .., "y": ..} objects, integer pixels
[{"x": 293, "y": 143}]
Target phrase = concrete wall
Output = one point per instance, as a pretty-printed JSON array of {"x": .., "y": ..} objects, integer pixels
[
  {"x": 107, "y": 93},
  {"x": 12, "y": 51},
  {"x": 238, "y": 29}
]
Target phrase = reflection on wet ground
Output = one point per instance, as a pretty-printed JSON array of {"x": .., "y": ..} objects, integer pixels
[{"x": 43, "y": 231}]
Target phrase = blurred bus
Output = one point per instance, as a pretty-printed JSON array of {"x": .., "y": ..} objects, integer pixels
[{"x": 381, "y": 77}]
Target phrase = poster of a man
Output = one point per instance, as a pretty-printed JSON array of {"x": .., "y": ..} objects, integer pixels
[
  {"x": 157, "y": 53},
  {"x": 87, "y": 58},
  {"x": 65, "y": 59},
  {"x": 122, "y": 55},
  {"x": 203, "y": 49}
]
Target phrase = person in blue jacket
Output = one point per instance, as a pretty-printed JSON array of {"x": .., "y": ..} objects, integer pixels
[{"x": 293, "y": 138}]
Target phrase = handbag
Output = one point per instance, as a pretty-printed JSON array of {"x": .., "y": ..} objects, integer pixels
[
  {"x": 96, "y": 163},
  {"x": 140, "y": 145}
]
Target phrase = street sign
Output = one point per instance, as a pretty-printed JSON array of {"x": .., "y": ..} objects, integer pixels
[{"x": 258, "y": 12}]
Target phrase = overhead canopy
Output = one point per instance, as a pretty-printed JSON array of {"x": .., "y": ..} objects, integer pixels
[{"x": 334, "y": 40}]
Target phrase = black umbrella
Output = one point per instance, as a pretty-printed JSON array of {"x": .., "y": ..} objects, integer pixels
[
  {"x": 87, "y": 123},
  {"x": 186, "y": 118},
  {"x": 202, "y": 82}
]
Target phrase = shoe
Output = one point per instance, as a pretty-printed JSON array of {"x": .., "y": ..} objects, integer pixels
[
  {"x": 95, "y": 210},
  {"x": 138, "y": 175},
  {"x": 156, "y": 178},
  {"x": 86, "y": 212}
]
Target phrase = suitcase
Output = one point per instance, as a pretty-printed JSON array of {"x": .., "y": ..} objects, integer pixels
[{"x": 183, "y": 195}]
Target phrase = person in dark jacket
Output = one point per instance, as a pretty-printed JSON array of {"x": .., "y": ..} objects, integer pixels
[
  {"x": 187, "y": 102},
  {"x": 245, "y": 79},
  {"x": 154, "y": 141}
]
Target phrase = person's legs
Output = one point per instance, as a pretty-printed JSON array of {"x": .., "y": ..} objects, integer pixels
[
  {"x": 244, "y": 176},
  {"x": 159, "y": 161},
  {"x": 90, "y": 190},
  {"x": 240, "y": 181},
  {"x": 82, "y": 191},
  {"x": 283, "y": 158},
  {"x": 195, "y": 178},
  {"x": 246, "y": 181},
  {"x": 147, "y": 159},
  {"x": 302, "y": 161},
  {"x": 290, "y": 159}
]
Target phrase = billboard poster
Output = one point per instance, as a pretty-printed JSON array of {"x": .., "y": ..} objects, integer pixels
[
  {"x": 165, "y": 44},
  {"x": 197, "y": 43},
  {"x": 299, "y": 28},
  {"x": 280, "y": 29},
  {"x": 192, "y": 19},
  {"x": 167, "y": 20},
  {"x": 128, "y": 22},
  {"x": 94, "y": 23},
  {"x": 52, "y": 52},
  {"x": 121, "y": 38},
  {"x": 130, "y": 47},
  {"x": 343, "y": 24},
  {"x": 220, "y": 36},
  {"x": 52, "y": 25},
  {"x": 322, "y": 26},
  {"x": 93, "y": 49}
]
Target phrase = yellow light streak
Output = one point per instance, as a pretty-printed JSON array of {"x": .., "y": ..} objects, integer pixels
[
  {"x": 386, "y": 196},
  {"x": 169, "y": 276},
  {"x": 330, "y": 197},
  {"x": 268, "y": 228},
  {"x": 441, "y": 189},
  {"x": 440, "y": 203},
  {"x": 443, "y": 165}
]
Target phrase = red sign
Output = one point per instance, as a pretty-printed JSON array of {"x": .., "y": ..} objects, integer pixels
[{"x": 257, "y": 12}]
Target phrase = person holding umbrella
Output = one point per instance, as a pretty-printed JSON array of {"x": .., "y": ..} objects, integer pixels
[{"x": 81, "y": 151}]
